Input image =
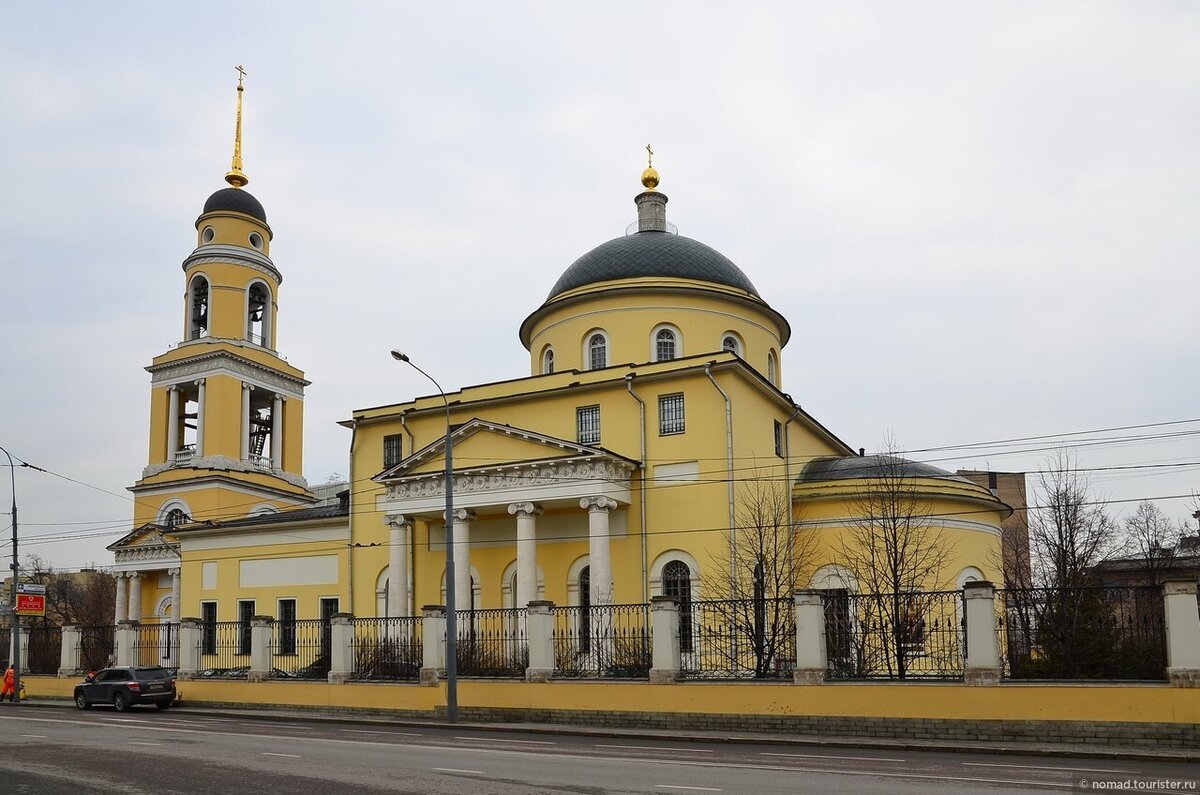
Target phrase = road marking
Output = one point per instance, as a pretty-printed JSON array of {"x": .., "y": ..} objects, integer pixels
[
  {"x": 136, "y": 742},
  {"x": 657, "y": 748},
  {"x": 377, "y": 731},
  {"x": 124, "y": 720},
  {"x": 456, "y": 770},
  {"x": 502, "y": 740},
  {"x": 1052, "y": 767},
  {"x": 35, "y": 736},
  {"x": 829, "y": 756},
  {"x": 680, "y": 786},
  {"x": 287, "y": 756}
]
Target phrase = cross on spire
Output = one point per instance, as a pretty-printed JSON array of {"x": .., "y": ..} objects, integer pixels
[{"x": 649, "y": 155}]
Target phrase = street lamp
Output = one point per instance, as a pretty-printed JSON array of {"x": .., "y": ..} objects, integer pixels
[
  {"x": 16, "y": 619},
  {"x": 451, "y": 613}
]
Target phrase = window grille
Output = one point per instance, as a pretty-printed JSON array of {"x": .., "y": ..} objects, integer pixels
[
  {"x": 597, "y": 352},
  {"x": 176, "y": 517},
  {"x": 245, "y": 613},
  {"x": 664, "y": 345},
  {"x": 548, "y": 362},
  {"x": 287, "y": 627},
  {"x": 392, "y": 449},
  {"x": 778, "y": 438},
  {"x": 208, "y": 627},
  {"x": 677, "y": 582},
  {"x": 587, "y": 424},
  {"x": 670, "y": 414},
  {"x": 730, "y": 344}
]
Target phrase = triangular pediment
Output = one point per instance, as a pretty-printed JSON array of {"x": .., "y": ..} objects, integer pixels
[
  {"x": 481, "y": 444},
  {"x": 148, "y": 535}
]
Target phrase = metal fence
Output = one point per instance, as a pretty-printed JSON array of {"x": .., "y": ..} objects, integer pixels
[
  {"x": 387, "y": 648},
  {"x": 45, "y": 649},
  {"x": 737, "y": 638},
  {"x": 225, "y": 650},
  {"x": 600, "y": 642},
  {"x": 156, "y": 644},
  {"x": 301, "y": 649},
  {"x": 5, "y": 645},
  {"x": 1082, "y": 633},
  {"x": 492, "y": 643},
  {"x": 917, "y": 635},
  {"x": 96, "y": 647}
]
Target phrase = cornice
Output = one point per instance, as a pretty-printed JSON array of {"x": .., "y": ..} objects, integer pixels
[
  {"x": 225, "y": 464},
  {"x": 224, "y": 362},
  {"x": 432, "y": 484},
  {"x": 233, "y": 255}
]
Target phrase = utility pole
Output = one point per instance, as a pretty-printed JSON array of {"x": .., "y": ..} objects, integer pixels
[{"x": 16, "y": 619}]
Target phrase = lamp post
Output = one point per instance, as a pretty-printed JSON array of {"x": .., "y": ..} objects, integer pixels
[
  {"x": 16, "y": 619},
  {"x": 451, "y": 613}
]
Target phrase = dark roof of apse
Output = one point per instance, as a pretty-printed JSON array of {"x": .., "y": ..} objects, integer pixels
[
  {"x": 871, "y": 466},
  {"x": 235, "y": 200},
  {"x": 652, "y": 254}
]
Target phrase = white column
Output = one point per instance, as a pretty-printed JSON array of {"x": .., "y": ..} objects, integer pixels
[
  {"x": 664, "y": 633},
  {"x": 276, "y": 431},
  {"x": 599, "y": 560},
  {"x": 812, "y": 657},
  {"x": 172, "y": 423},
  {"x": 135, "y": 595},
  {"x": 397, "y": 604},
  {"x": 176, "y": 595},
  {"x": 982, "y": 649},
  {"x": 199, "y": 417},
  {"x": 1183, "y": 633},
  {"x": 122, "y": 612},
  {"x": 245, "y": 420},
  {"x": 462, "y": 560},
  {"x": 526, "y": 513}
]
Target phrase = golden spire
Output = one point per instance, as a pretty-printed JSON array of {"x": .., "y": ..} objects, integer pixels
[
  {"x": 236, "y": 177},
  {"x": 650, "y": 175}
]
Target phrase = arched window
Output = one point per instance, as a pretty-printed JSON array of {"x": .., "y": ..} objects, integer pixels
[
  {"x": 677, "y": 582},
  {"x": 585, "y": 609},
  {"x": 730, "y": 343},
  {"x": 597, "y": 352},
  {"x": 548, "y": 361},
  {"x": 664, "y": 345},
  {"x": 772, "y": 368},
  {"x": 258, "y": 315},
  {"x": 198, "y": 308},
  {"x": 176, "y": 517}
]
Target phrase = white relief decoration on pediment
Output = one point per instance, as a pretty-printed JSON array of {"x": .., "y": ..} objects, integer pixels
[
  {"x": 211, "y": 364},
  {"x": 431, "y": 485}
]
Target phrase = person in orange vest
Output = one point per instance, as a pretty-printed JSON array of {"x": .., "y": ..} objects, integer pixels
[{"x": 9, "y": 690}]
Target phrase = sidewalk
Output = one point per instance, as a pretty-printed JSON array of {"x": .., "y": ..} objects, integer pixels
[{"x": 802, "y": 741}]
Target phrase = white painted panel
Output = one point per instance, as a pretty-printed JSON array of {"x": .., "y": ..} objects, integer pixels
[
  {"x": 164, "y": 580},
  {"x": 683, "y": 472},
  {"x": 314, "y": 570},
  {"x": 208, "y": 576}
]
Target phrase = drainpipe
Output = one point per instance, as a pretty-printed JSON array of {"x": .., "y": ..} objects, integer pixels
[
  {"x": 787, "y": 482},
  {"x": 350, "y": 526},
  {"x": 642, "y": 499},
  {"x": 412, "y": 535},
  {"x": 729, "y": 477}
]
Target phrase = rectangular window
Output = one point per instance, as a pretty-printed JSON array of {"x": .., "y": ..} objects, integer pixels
[
  {"x": 778, "y": 438},
  {"x": 670, "y": 414},
  {"x": 208, "y": 627},
  {"x": 245, "y": 613},
  {"x": 587, "y": 424},
  {"x": 391, "y": 449},
  {"x": 285, "y": 640}
]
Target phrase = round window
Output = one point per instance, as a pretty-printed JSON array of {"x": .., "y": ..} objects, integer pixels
[
  {"x": 207, "y": 235},
  {"x": 256, "y": 240}
]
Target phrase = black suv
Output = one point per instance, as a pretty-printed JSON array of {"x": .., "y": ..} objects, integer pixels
[{"x": 124, "y": 687}]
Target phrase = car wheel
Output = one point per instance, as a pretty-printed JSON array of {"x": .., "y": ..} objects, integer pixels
[
  {"x": 120, "y": 703},
  {"x": 81, "y": 700},
  {"x": 162, "y": 704}
]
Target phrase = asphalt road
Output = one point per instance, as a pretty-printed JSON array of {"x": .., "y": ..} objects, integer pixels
[{"x": 100, "y": 751}]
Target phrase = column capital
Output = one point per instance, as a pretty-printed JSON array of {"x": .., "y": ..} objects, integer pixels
[
  {"x": 118, "y": 575},
  {"x": 600, "y": 503},
  {"x": 173, "y": 388},
  {"x": 397, "y": 520},
  {"x": 199, "y": 382},
  {"x": 463, "y": 515},
  {"x": 174, "y": 572},
  {"x": 133, "y": 575},
  {"x": 525, "y": 509},
  {"x": 247, "y": 386}
]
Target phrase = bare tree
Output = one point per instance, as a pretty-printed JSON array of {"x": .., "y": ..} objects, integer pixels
[
  {"x": 1153, "y": 545},
  {"x": 1069, "y": 532},
  {"x": 84, "y": 598}
]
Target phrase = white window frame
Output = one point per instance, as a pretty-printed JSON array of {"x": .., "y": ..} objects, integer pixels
[
  {"x": 661, "y": 327},
  {"x": 548, "y": 360},
  {"x": 773, "y": 367},
  {"x": 587, "y": 348},
  {"x": 579, "y": 415},
  {"x": 738, "y": 346},
  {"x": 662, "y": 431}
]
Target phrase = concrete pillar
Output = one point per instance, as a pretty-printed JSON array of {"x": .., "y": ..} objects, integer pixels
[
  {"x": 200, "y": 403},
  {"x": 25, "y": 633},
  {"x": 176, "y": 594},
  {"x": 341, "y": 648},
  {"x": 126, "y": 640},
  {"x": 1183, "y": 633},
  {"x": 172, "y": 423},
  {"x": 433, "y": 644},
  {"x": 982, "y": 649},
  {"x": 245, "y": 452},
  {"x": 664, "y": 633},
  {"x": 526, "y": 513},
  {"x": 462, "y": 562},
  {"x": 812, "y": 658},
  {"x": 191, "y": 631},
  {"x": 599, "y": 556},
  {"x": 69, "y": 661},
  {"x": 276, "y": 431},
  {"x": 398, "y": 564},
  {"x": 122, "y": 613},
  {"x": 135, "y": 595},
  {"x": 261, "y": 628},
  {"x": 539, "y": 635}
]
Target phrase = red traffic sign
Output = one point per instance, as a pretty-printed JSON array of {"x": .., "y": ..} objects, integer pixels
[{"x": 31, "y": 604}]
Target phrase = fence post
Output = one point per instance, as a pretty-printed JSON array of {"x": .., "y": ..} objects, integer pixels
[
  {"x": 433, "y": 644},
  {"x": 982, "y": 650},
  {"x": 260, "y": 648},
  {"x": 25, "y": 633},
  {"x": 1183, "y": 633},
  {"x": 539, "y": 635},
  {"x": 126, "y": 641},
  {"x": 69, "y": 657},
  {"x": 812, "y": 658},
  {"x": 341, "y": 648},
  {"x": 190, "y": 634},
  {"x": 664, "y": 634}
]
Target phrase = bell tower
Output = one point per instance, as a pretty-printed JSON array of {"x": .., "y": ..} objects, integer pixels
[{"x": 226, "y": 410}]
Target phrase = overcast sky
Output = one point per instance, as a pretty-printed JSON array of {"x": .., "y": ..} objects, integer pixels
[{"x": 980, "y": 219}]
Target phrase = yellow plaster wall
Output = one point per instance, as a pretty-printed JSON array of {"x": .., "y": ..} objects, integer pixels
[
  {"x": 293, "y": 436},
  {"x": 160, "y": 407}
]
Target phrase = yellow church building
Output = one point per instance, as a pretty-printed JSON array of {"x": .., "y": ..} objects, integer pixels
[{"x": 641, "y": 453}]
